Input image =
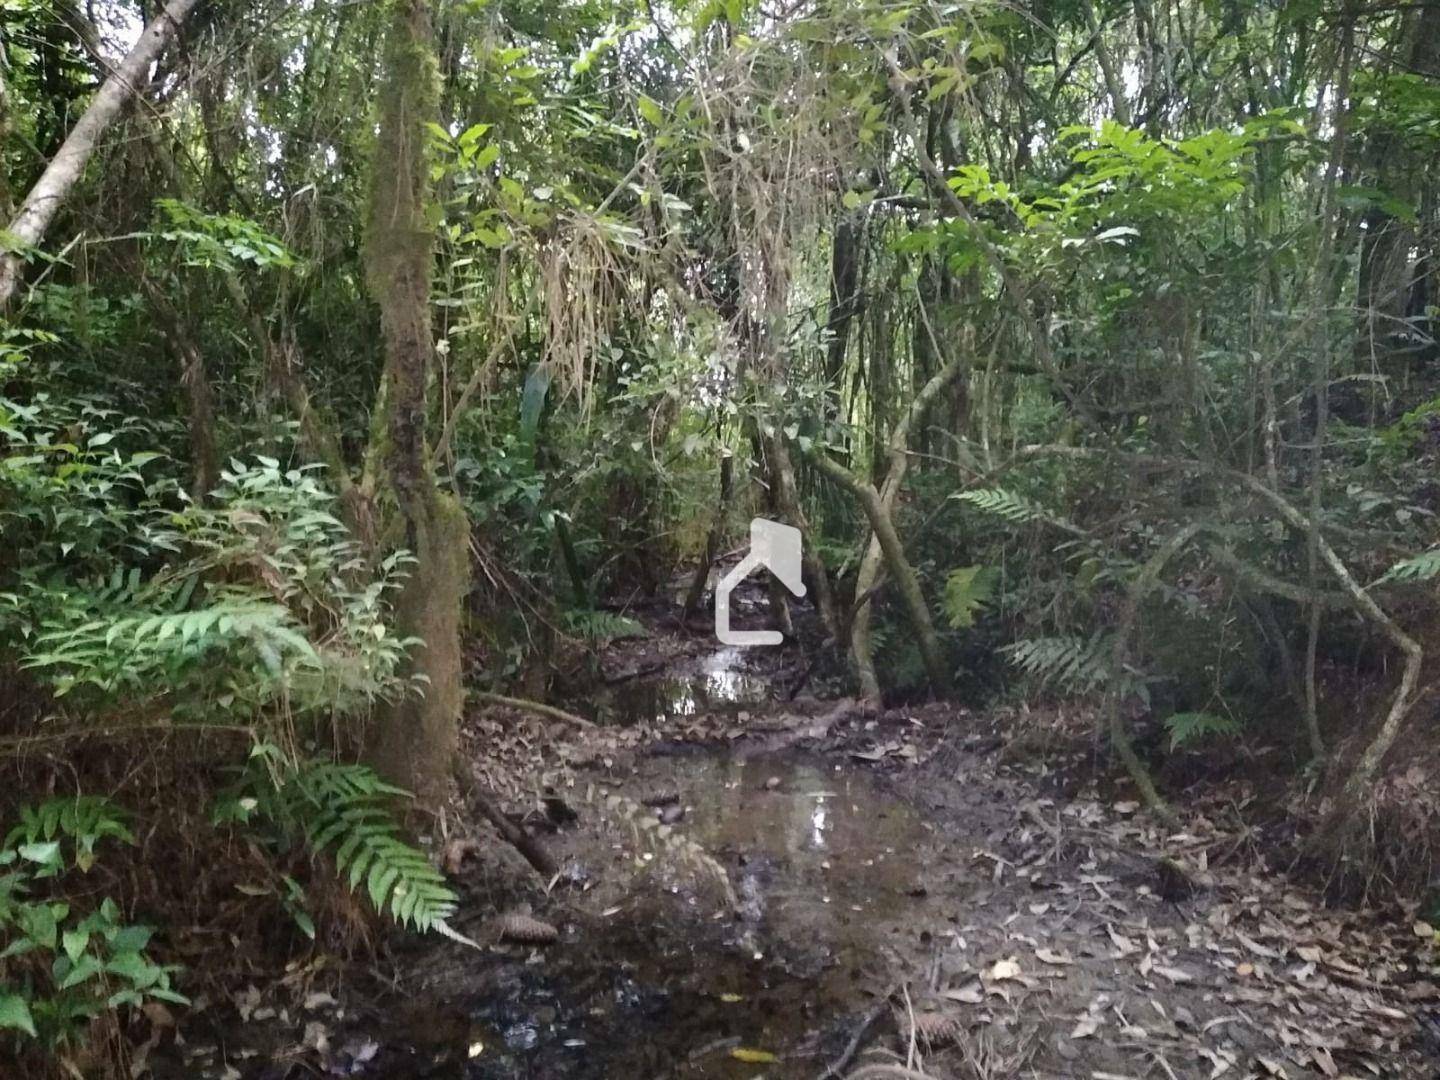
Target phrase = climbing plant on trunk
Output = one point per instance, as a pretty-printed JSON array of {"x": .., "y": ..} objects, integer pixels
[{"x": 414, "y": 738}]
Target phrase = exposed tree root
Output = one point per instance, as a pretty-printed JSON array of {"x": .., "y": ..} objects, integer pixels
[{"x": 515, "y": 835}]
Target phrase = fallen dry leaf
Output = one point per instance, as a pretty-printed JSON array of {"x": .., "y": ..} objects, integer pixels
[
  {"x": 1324, "y": 1062},
  {"x": 1004, "y": 969},
  {"x": 1050, "y": 956},
  {"x": 1175, "y": 975},
  {"x": 1258, "y": 949},
  {"x": 1123, "y": 945},
  {"x": 971, "y": 993}
]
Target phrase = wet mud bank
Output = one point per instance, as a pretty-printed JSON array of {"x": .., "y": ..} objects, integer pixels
[
  {"x": 750, "y": 879},
  {"x": 657, "y": 974}
]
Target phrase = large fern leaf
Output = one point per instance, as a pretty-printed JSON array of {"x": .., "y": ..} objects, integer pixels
[
  {"x": 1004, "y": 504},
  {"x": 1071, "y": 663},
  {"x": 967, "y": 590},
  {"x": 346, "y": 811},
  {"x": 1422, "y": 567}
]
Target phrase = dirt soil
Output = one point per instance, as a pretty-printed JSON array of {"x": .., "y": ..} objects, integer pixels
[{"x": 753, "y": 887}]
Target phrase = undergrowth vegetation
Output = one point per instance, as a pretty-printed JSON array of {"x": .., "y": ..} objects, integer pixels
[{"x": 391, "y": 350}]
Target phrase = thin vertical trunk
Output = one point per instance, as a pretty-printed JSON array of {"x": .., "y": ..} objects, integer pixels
[
  {"x": 200, "y": 401},
  {"x": 696, "y": 592},
  {"x": 1320, "y": 389},
  {"x": 869, "y": 576},
  {"x": 787, "y": 500},
  {"x": 415, "y": 738},
  {"x": 844, "y": 292}
]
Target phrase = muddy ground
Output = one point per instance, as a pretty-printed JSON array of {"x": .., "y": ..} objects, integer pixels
[{"x": 759, "y": 885}]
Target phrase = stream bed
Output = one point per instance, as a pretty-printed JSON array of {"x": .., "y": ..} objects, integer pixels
[
  {"x": 662, "y": 980},
  {"x": 739, "y": 894}
]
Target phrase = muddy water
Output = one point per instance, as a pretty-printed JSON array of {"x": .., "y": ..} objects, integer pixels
[
  {"x": 829, "y": 871},
  {"x": 715, "y": 682},
  {"x": 817, "y": 850}
]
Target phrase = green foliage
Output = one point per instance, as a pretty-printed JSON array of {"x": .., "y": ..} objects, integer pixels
[
  {"x": 1188, "y": 728},
  {"x": 61, "y": 967},
  {"x": 347, "y": 812},
  {"x": 132, "y": 651},
  {"x": 220, "y": 241},
  {"x": 1422, "y": 567},
  {"x": 263, "y": 597},
  {"x": 1074, "y": 664},
  {"x": 83, "y": 820},
  {"x": 1004, "y": 504},
  {"x": 82, "y": 482},
  {"x": 967, "y": 590},
  {"x": 600, "y": 627}
]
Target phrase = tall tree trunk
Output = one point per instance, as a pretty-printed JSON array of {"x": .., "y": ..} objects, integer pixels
[
  {"x": 787, "y": 500},
  {"x": 415, "y": 738},
  {"x": 1320, "y": 388},
  {"x": 68, "y": 165},
  {"x": 868, "y": 578},
  {"x": 844, "y": 291}
]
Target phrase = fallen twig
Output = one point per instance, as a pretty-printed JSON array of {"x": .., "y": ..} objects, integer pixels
[
  {"x": 857, "y": 1040},
  {"x": 539, "y": 708}
]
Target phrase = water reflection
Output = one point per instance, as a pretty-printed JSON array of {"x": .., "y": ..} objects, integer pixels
[
  {"x": 717, "y": 683},
  {"x": 817, "y": 823},
  {"x": 826, "y": 843}
]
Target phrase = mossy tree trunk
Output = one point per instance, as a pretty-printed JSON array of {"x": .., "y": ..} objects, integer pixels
[{"x": 413, "y": 742}]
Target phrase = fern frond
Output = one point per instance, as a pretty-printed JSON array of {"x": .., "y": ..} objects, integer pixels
[
  {"x": 1422, "y": 567},
  {"x": 345, "y": 811},
  {"x": 1072, "y": 663},
  {"x": 600, "y": 627},
  {"x": 1004, "y": 504},
  {"x": 1189, "y": 727},
  {"x": 967, "y": 590}
]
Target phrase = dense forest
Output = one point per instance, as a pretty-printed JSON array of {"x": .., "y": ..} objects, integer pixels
[{"x": 385, "y": 385}]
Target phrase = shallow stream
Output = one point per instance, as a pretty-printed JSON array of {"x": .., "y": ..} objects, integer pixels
[{"x": 826, "y": 867}]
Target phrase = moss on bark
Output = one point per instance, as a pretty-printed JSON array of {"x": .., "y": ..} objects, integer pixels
[{"x": 414, "y": 739}]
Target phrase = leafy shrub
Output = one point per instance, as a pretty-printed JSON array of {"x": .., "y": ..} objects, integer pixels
[
  {"x": 262, "y": 599},
  {"x": 61, "y": 968}
]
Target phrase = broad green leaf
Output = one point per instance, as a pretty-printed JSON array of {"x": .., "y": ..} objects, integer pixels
[{"x": 15, "y": 1014}]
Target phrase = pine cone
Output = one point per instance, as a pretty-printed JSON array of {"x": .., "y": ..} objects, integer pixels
[
  {"x": 936, "y": 1028},
  {"x": 525, "y": 929}
]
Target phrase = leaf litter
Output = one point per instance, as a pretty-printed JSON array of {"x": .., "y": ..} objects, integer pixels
[{"x": 1033, "y": 934}]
